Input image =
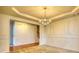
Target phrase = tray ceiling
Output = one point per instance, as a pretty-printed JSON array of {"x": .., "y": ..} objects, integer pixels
[{"x": 38, "y": 11}]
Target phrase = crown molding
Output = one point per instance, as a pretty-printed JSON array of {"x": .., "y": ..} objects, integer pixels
[
  {"x": 25, "y": 15},
  {"x": 65, "y": 14}
]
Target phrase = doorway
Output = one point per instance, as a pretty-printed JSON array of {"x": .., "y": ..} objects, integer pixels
[{"x": 23, "y": 35}]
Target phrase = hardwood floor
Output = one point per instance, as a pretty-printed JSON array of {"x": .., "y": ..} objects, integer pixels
[
  {"x": 14, "y": 48},
  {"x": 43, "y": 49}
]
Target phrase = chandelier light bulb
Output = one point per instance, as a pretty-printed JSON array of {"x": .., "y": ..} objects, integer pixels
[
  {"x": 45, "y": 19},
  {"x": 40, "y": 20}
]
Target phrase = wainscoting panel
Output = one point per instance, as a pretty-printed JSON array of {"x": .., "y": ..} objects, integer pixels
[{"x": 64, "y": 33}]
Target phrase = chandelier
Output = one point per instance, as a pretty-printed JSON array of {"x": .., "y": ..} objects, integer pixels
[{"x": 44, "y": 21}]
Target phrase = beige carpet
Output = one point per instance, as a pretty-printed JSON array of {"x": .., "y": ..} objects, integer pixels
[{"x": 43, "y": 49}]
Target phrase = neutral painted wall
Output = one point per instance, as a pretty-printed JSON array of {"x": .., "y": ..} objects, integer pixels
[
  {"x": 64, "y": 33},
  {"x": 4, "y": 33},
  {"x": 24, "y": 33}
]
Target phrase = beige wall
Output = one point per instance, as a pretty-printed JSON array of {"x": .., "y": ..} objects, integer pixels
[
  {"x": 64, "y": 33},
  {"x": 24, "y": 33},
  {"x": 4, "y": 33}
]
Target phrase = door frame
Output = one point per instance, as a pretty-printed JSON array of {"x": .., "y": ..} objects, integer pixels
[{"x": 12, "y": 22}]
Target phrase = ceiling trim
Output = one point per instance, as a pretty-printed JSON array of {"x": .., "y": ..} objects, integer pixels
[
  {"x": 75, "y": 9},
  {"x": 65, "y": 14},
  {"x": 25, "y": 15},
  {"x": 23, "y": 20},
  {"x": 62, "y": 15}
]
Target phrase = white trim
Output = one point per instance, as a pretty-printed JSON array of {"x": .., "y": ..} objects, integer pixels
[{"x": 25, "y": 15}]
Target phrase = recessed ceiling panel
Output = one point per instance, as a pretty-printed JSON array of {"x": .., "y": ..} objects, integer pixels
[{"x": 38, "y": 11}]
